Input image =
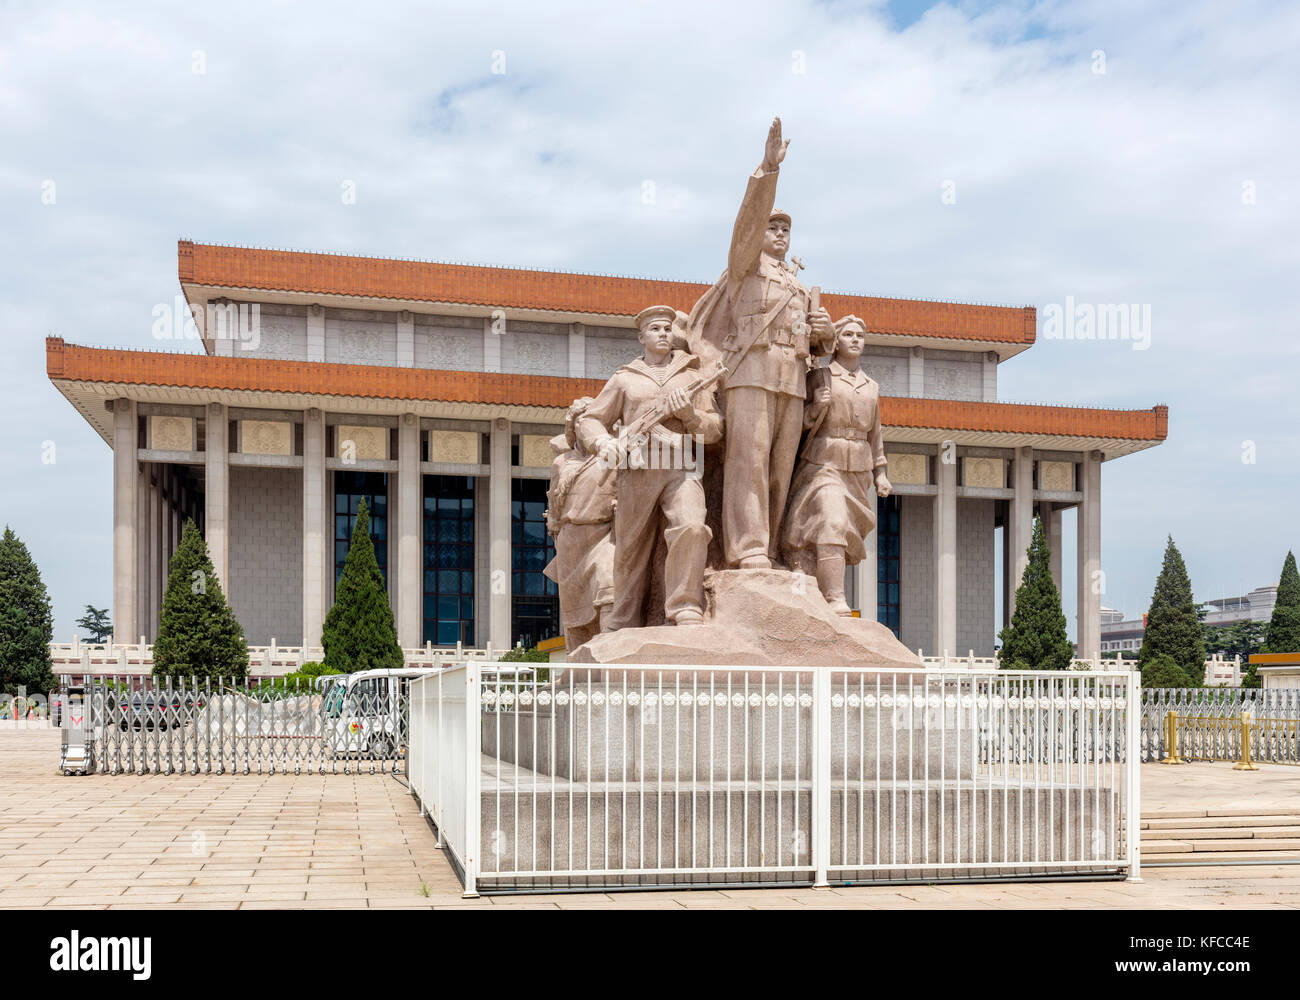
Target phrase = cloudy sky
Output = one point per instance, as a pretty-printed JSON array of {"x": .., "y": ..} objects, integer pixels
[{"x": 1113, "y": 152}]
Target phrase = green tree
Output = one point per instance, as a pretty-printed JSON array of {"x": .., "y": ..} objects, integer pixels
[
  {"x": 26, "y": 621},
  {"x": 1173, "y": 626},
  {"x": 304, "y": 678},
  {"x": 1160, "y": 671},
  {"x": 1036, "y": 638},
  {"x": 1238, "y": 639},
  {"x": 97, "y": 623},
  {"x": 359, "y": 633},
  {"x": 198, "y": 634},
  {"x": 1284, "y": 627}
]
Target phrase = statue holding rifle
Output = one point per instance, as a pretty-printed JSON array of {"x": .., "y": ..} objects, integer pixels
[{"x": 666, "y": 410}]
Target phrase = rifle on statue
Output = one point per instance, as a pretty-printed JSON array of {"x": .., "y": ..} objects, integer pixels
[{"x": 639, "y": 429}]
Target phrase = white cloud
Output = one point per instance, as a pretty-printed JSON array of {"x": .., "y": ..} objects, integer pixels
[{"x": 1122, "y": 187}]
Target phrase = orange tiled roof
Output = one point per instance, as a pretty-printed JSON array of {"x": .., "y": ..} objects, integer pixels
[
  {"x": 509, "y": 288},
  {"x": 149, "y": 368}
]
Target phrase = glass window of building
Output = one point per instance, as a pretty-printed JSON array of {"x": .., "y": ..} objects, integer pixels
[
  {"x": 887, "y": 561},
  {"x": 535, "y": 601},
  {"x": 449, "y": 560},
  {"x": 350, "y": 488}
]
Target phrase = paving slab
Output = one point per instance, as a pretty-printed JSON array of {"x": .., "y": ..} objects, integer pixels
[{"x": 348, "y": 841}]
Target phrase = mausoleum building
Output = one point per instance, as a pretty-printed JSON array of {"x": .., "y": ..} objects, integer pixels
[{"x": 432, "y": 390}]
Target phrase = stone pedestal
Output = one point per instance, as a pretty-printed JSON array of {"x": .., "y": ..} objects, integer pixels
[
  {"x": 936, "y": 831},
  {"x": 756, "y": 617},
  {"x": 666, "y": 726}
]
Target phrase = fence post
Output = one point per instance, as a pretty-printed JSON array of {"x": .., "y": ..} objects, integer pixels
[
  {"x": 821, "y": 776},
  {"x": 1132, "y": 784},
  {"x": 473, "y": 771},
  {"x": 1247, "y": 762},
  {"x": 1171, "y": 739}
]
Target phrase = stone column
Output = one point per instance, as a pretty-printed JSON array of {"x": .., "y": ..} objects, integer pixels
[
  {"x": 143, "y": 576},
  {"x": 405, "y": 339},
  {"x": 499, "y": 532},
  {"x": 410, "y": 509},
  {"x": 1052, "y": 528},
  {"x": 492, "y": 344},
  {"x": 989, "y": 386},
  {"x": 865, "y": 588},
  {"x": 1020, "y": 524},
  {"x": 315, "y": 333},
  {"x": 915, "y": 372},
  {"x": 315, "y": 500},
  {"x": 125, "y": 489},
  {"x": 159, "y": 568},
  {"x": 1090, "y": 582},
  {"x": 216, "y": 493},
  {"x": 945, "y": 556},
  {"x": 577, "y": 351}
]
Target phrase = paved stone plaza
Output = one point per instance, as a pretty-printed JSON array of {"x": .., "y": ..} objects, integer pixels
[{"x": 357, "y": 841}]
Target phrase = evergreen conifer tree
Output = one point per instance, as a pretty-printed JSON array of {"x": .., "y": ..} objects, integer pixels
[
  {"x": 359, "y": 633},
  {"x": 26, "y": 621},
  {"x": 1173, "y": 627},
  {"x": 198, "y": 633},
  {"x": 1283, "y": 634},
  {"x": 1036, "y": 638}
]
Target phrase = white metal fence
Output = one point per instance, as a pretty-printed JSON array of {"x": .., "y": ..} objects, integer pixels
[
  {"x": 1217, "y": 670},
  {"x": 135, "y": 659},
  {"x": 601, "y": 777}
]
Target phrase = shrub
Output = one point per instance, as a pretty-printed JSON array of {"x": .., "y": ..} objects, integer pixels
[
  {"x": 198, "y": 634},
  {"x": 1162, "y": 672},
  {"x": 359, "y": 633},
  {"x": 1036, "y": 638}
]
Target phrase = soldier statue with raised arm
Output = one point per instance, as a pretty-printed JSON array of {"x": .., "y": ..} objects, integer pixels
[{"x": 763, "y": 325}]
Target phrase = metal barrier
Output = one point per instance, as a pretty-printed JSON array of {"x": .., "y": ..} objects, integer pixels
[
  {"x": 140, "y": 725},
  {"x": 1209, "y": 720},
  {"x": 635, "y": 776},
  {"x": 1242, "y": 740}
]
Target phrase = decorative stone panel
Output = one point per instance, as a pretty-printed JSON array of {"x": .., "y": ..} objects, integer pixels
[
  {"x": 460, "y": 447},
  {"x": 1056, "y": 476},
  {"x": 535, "y": 451},
  {"x": 265, "y": 437},
  {"x": 908, "y": 469},
  {"x": 173, "y": 433},
  {"x": 984, "y": 472},
  {"x": 368, "y": 443}
]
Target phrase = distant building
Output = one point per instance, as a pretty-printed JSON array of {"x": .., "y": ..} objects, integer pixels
[
  {"x": 1119, "y": 634},
  {"x": 1256, "y": 606}
]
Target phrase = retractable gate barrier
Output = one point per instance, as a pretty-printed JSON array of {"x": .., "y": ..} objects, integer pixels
[
  {"x": 1242, "y": 725},
  {"x": 140, "y": 725}
]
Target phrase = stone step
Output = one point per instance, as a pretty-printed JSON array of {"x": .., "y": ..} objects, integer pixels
[
  {"x": 1223, "y": 833},
  {"x": 1213, "y": 811},
  {"x": 1210, "y": 858},
  {"x": 1221, "y": 822},
  {"x": 1241, "y": 846}
]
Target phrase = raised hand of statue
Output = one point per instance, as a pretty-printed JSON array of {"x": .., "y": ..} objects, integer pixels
[
  {"x": 774, "y": 152},
  {"x": 822, "y": 327}
]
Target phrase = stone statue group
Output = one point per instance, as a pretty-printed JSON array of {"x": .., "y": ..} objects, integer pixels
[{"x": 801, "y": 442}]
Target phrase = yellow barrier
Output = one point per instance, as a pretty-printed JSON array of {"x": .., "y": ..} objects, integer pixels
[{"x": 1185, "y": 733}]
